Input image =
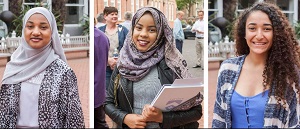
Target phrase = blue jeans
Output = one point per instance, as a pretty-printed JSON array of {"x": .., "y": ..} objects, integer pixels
[
  {"x": 108, "y": 75},
  {"x": 179, "y": 44}
]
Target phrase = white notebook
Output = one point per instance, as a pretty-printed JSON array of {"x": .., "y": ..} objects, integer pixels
[{"x": 172, "y": 95}]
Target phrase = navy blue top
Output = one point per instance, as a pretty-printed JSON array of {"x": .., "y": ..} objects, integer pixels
[
  {"x": 248, "y": 112},
  {"x": 122, "y": 33}
]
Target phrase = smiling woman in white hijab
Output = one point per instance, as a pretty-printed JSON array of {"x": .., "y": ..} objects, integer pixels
[{"x": 38, "y": 88}]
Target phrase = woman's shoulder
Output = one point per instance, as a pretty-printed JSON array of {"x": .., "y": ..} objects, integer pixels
[
  {"x": 102, "y": 28},
  {"x": 232, "y": 63},
  {"x": 59, "y": 66},
  {"x": 121, "y": 27},
  {"x": 235, "y": 60}
]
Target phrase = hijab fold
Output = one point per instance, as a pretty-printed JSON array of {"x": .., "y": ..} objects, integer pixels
[
  {"x": 26, "y": 61},
  {"x": 134, "y": 65}
]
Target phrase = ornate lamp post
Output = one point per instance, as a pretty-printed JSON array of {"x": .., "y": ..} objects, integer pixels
[{"x": 7, "y": 17}]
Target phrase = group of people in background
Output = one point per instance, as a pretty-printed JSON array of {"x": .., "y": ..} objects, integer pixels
[{"x": 198, "y": 29}]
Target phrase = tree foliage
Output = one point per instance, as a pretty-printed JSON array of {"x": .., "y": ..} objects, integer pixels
[
  {"x": 58, "y": 9},
  {"x": 186, "y": 4}
]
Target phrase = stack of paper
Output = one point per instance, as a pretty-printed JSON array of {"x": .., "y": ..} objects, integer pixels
[{"x": 172, "y": 95}]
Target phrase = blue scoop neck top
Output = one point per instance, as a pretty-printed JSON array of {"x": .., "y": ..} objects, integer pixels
[{"x": 248, "y": 112}]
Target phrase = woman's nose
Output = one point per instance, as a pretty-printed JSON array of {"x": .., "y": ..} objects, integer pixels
[
  {"x": 259, "y": 35},
  {"x": 36, "y": 31},
  {"x": 143, "y": 33}
]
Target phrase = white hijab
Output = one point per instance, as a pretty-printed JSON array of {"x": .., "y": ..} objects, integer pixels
[{"x": 27, "y": 62}]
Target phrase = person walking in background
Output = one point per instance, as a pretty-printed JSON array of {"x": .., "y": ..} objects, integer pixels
[
  {"x": 39, "y": 89},
  {"x": 101, "y": 47},
  {"x": 260, "y": 88},
  {"x": 127, "y": 22},
  {"x": 148, "y": 60},
  {"x": 178, "y": 31},
  {"x": 116, "y": 35},
  {"x": 198, "y": 27},
  {"x": 100, "y": 20}
]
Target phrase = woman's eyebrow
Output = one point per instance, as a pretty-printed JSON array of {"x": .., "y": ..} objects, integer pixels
[
  {"x": 40, "y": 22},
  {"x": 267, "y": 24},
  {"x": 139, "y": 24}
]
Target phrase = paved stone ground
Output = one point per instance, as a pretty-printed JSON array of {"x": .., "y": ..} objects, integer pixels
[{"x": 79, "y": 62}]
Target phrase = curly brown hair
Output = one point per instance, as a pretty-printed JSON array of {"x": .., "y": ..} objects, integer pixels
[{"x": 282, "y": 64}]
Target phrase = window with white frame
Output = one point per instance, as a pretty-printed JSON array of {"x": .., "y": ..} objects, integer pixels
[
  {"x": 34, "y": 3},
  {"x": 287, "y": 7},
  {"x": 75, "y": 11},
  {"x": 105, "y": 3},
  {"x": 142, "y": 3},
  {"x": 172, "y": 10},
  {"x": 212, "y": 9},
  {"x": 112, "y": 3},
  {"x": 137, "y": 4},
  {"x": 119, "y": 10},
  {"x": 243, "y": 4},
  {"x": 132, "y": 6},
  {"x": 166, "y": 11},
  {"x": 197, "y": 8}
]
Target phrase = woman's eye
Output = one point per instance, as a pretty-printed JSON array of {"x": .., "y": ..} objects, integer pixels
[
  {"x": 251, "y": 28},
  {"x": 138, "y": 28},
  {"x": 268, "y": 29},
  {"x": 152, "y": 30},
  {"x": 44, "y": 27},
  {"x": 29, "y": 26}
]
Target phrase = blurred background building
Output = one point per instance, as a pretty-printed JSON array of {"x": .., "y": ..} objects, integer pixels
[
  {"x": 69, "y": 13},
  {"x": 168, "y": 7}
]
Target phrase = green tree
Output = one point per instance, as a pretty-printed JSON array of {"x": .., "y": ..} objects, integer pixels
[
  {"x": 229, "y": 8},
  {"x": 186, "y": 4},
  {"x": 15, "y": 6},
  {"x": 58, "y": 9}
]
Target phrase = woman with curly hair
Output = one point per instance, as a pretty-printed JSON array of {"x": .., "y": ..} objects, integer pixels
[{"x": 260, "y": 87}]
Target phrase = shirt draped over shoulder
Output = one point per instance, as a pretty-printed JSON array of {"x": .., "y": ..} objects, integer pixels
[{"x": 276, "y": 115}]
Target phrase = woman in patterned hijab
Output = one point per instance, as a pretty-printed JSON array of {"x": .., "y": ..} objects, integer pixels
[
  {"x": 134, "y": 64},
  {"x": 148, "y": 60}
]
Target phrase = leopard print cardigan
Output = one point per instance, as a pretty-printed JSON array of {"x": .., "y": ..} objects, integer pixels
[{"x": 59, "y": 105}]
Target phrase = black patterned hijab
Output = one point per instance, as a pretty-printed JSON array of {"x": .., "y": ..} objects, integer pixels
[{"x": 134, "y": 65}]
